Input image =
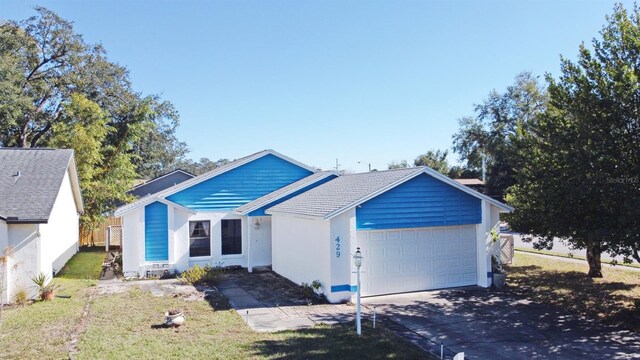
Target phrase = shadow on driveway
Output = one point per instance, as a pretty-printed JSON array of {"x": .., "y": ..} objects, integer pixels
[{"x": 486, "y": 324}]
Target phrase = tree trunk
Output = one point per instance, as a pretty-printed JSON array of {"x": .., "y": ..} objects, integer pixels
[{"x": 593, "y": 258}]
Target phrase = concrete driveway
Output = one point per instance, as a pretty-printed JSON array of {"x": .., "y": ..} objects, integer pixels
[{"x": 486, "y": 325}]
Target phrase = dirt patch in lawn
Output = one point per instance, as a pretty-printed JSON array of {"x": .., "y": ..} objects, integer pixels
[
  {"x": 268, "y": 287},
  {"x": 614, "y": 299}
]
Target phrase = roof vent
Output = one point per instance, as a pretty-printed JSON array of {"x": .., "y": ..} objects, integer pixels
[{"x": 16, "y": 176}]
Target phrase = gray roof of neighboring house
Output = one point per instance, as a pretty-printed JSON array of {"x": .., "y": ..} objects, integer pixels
[
  {"x": 160, "y": 183},
  {"x": 347, "y": 191},
  {"x": 341, "y": 192},
  {"x": 30, "y": 180},
  {"x": 282, "y": 192}
]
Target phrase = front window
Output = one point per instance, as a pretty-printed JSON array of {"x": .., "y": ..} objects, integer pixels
[
  {"x": 199, "y": 238},
  {"x": 231, "y": 237}
]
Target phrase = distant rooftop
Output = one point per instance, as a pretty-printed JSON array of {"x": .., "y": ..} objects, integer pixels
[{"x": 470, "y": 181}]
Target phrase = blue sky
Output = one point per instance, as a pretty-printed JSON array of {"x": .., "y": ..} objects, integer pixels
[{"x": 368, "y": 81}]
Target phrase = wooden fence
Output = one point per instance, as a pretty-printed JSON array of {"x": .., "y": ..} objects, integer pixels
[{"x": 98, "y": 236}]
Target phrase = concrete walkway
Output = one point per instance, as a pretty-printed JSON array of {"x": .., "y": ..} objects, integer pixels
[{"x": 277, "y": 318}]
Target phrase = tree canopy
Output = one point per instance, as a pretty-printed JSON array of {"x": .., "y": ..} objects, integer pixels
[
  {"x": 43, "y": 61},
  {"x": 580, "y": 163},
  {"x": 58, "y": 91},
  {"x": 493, "y": 130}
]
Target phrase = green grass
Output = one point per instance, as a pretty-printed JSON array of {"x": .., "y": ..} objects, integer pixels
[
  {"x": 124, "y": 326},
  {"x": 87, "y": 264},
  {"x": 116, "y": 331},
  {"x": 563, "y": 255},
  {"x": 42, "y": 330},
  {"x": 566, "y": 285}
]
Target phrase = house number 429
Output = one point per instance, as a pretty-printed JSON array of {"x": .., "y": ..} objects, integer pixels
[{"x": 337, "y": 241}]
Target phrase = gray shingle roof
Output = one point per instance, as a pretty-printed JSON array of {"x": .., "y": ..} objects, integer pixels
[
  {"x": 282, "y": 192},
  {"x": 30, "y": 196},
  {"x": 341, "y": 192}
]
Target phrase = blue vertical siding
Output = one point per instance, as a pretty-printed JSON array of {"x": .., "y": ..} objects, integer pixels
[
  {"x": 260, "y": 211},
  {"x": 420, "y": 202},
  {"x": 156, "y": 232},
  {"x": 240, "y": 185}
]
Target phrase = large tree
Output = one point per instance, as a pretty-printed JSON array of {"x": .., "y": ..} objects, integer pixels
[
  {"x": 43, "y": 61},
  {"x": 492, "y": 131},
  {"x": 581, "y": 161},
  {"x": 105, "y": 171}
]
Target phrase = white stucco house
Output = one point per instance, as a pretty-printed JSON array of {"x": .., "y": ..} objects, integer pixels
[
  {"x": 416, "y": 228},
  {"x": 40, "y": 205}
]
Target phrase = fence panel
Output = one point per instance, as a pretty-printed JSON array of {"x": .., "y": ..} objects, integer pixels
[{"x": 99, "y": 235}]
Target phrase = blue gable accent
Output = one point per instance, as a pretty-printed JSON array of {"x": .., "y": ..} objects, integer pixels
[
  {"x": 260, "y": 211},
  {"x": 156, "y": 232},
  {"x": 241, "y": 185},
  {"x": 420, "y": 202}
]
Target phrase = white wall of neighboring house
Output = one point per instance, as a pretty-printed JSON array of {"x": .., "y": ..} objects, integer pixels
[
  {"x": 4, "y": 247},
  {"x": 24, "y": 242},
  {"x": 59, "y": 236},
  {"x": 301, "y": 250}
]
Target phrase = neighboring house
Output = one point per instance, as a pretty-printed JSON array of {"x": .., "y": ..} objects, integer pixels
[
  {"x": 476, "y": 184},
  {"x": 217, "y": 217},
  {"x": 417, "y": 228},
  {"x": 160, "y": 183},
  {"x": 40, "y": 205}
]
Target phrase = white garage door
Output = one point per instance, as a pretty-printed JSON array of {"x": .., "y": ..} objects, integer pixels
[{"x": 403, "y": 260}]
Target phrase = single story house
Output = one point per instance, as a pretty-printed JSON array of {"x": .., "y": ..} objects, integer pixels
[
  {"x": 214, "y": 218},
  {"x": 40, "y": 205},
  {"x": 417, "y": 229}
]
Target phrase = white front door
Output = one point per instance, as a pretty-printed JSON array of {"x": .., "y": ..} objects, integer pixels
[{"x": 404, "y": 260}]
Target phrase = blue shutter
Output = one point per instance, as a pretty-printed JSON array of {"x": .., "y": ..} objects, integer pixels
[{"x": 156, "y": 232}]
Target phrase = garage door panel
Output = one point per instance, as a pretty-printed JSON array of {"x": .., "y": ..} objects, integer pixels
[{"x": 403, "y": 260}]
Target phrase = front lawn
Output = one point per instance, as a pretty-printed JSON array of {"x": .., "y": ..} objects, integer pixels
[
  {"x": 43, "y": 330},
  {"x": 125, "y": 326},
  {"x": 87, "y": 264},
  {"x": 565, "y": 284}
]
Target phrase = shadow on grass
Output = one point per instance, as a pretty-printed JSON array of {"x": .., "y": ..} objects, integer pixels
[
  {"x": 98, "y": 249},
  {"x": 574, "y": 290},
  {"x": 86, "y": 265},
  {"x": 337, "y": 342}
]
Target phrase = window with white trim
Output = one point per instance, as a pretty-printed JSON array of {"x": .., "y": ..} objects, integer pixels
[{"x": 199, "y": 238}]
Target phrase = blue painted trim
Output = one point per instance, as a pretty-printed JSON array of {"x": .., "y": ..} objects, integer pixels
[
  {"x": 344, "y": 287},
  {"x": 490, "y": 274}
]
